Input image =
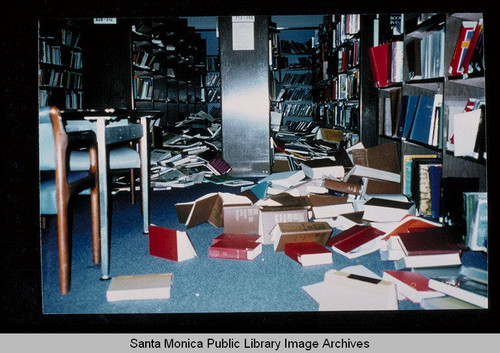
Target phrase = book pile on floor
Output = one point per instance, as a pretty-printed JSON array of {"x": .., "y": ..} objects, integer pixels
[{"x": 348, "y": 204}]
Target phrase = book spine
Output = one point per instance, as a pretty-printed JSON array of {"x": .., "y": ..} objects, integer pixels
[
  {"x": 341, "y": 186},
  {"x": 227, "y": 253}
]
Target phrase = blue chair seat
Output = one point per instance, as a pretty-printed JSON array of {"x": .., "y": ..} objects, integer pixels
[
  {"x": 48, "y": 198},
  {"x": 119, "y": 158}
]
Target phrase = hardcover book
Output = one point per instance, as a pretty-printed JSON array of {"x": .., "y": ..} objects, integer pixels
[
  {"x": 385, "y": 210},
  {"x": 170, "y": 244},
  {"x": 411, "y": 285},
  {"x": 237, "y": 237},
  {"x": 140, "y": 287},
  {"x": 463, "y": 288},
  {"x": 309, "y": 253},
  {"x": 208, "y": 208},
  {"x": 379, "y": 62},
  {"x": 297, "y": 232},
  {"x": 431, "y": 241},
  {"x": 353, "y": 238},
  {"x": 241, "y": 219},
  {"x": 269, "y": 216},
  {"x": 235, "y": 249},
  {"x": 320, "y": 168},
  {"x": 342, "y": 186},
  {"x": 329, "y": 206}
]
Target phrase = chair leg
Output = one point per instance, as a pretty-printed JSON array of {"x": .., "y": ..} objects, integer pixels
[
  {"x": 96, "y": 225},
  {"x": 132, "y": 187},
  {"x": 63, "y": 247}
]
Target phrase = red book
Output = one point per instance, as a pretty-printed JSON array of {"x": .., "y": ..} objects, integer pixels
[
  {"x": 235, "y": 249},
  {"x": 239, "y": 237},
  {"x": 379, "y": 61},
  {"x": 430, "y": 241},
  {"x": 413, "y": 222},
  {"x": 309, "y": 253},
  {"x": 472, "y": 46},
  {"x": 170, "y": 244},
  {"x": 411, "y": 285},
  {"x": 354, "y": 237},
  {"x": 464, "y": 37}
]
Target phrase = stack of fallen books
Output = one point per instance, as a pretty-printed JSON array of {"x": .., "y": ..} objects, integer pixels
[{"x": 235, "y": 246}]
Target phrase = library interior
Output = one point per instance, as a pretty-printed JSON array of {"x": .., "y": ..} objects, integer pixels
[{"x": 263, "y": 164}]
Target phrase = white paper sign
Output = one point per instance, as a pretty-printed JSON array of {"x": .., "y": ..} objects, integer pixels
[{"x": 243, "y": 32}]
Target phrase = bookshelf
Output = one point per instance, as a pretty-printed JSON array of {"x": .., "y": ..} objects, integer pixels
[
  {"x": 60, "y": 64},
  {"x": 420, "y": 55},
  {"x": 168, "y": 68},
  {"x": 337, "y": 74},
  {"x": 291, "y": 74}
]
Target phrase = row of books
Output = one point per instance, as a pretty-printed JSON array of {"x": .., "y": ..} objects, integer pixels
[
  {"x": 50, "y": 77},
  {"x": 143, "y": 87},
  {"x": 298, "y": 93},
  {"x": 418, "y": 118},
  {"x": 468, "y": 55},
  {"x": 297, "y": 78},
  {"x": 212, "y": 79},
  {"x": 293, "y": 47},
  {"x": 53, "y": 54},
  {"x": 143, "y": 58},
  {"x": 340, "y": 114}
]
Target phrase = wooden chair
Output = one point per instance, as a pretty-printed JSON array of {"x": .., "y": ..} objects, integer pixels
[{"x": 57, "y": 188}]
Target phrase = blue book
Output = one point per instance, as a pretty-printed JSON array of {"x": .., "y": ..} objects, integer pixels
[
  {"x": 409, "y": 114},
  {"x": 435, "y": 173},
  {"x": 423, "y": 117}
]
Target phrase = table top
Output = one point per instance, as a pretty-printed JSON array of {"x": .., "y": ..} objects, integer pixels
[{"x": 78, "y": 114}]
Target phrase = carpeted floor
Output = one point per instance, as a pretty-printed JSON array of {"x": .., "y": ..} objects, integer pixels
[{"x": 270, "y": 283}]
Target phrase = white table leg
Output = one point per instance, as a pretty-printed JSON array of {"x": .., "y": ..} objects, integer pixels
[
  {"x": 103, "y": 196},
  {"x": 144, "y": 152}
]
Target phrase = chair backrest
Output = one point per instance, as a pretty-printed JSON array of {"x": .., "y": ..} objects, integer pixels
[{"x": 46, "y": 145}]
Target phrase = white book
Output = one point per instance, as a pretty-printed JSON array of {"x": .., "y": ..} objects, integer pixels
[{"x": 140, "y": 287}]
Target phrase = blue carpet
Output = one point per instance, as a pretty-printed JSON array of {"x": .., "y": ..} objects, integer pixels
[{"x": 270, "y": 283}]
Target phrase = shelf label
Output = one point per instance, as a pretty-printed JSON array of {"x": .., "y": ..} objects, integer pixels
[
  {"x": 105, "y": 20},
  {"x": 243, "y": 32}
]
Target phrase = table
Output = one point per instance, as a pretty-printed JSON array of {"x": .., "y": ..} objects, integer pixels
[{"x": 113, "y": 126}]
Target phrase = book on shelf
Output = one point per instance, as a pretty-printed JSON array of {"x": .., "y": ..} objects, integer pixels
[
  {"x": 170, "y": 244},
  {"x": 308, "y": 253},
  {"x": 474, "y": 59},
  {"x": 476, "y": 220},
  {"x": 321, "y": 168},
  {"x": 465, "y": 35},
  {"x": 356, "y": 241},
  {"x": 208, "y": 208},
  {"x": 269, "y": 216},
  {"x": 407, "y": 171},
  {"x": 341, "y": 290},
  {"x": 411, "y": 285},
  {"x": 139, "y": 287},
  {"x": 463, "y": 287},
  {"x": 386, "y": 210},
  {"x": 379, "y": 63},
  {"x": 409, "y": 105},
  {"x": 426, "y": 185},
  {"x": 426, "y": 123},
  {"x": 241, "y": 219},
  {"x": 389, "y": 111},
  {"x": 296, "y": 232},
  {"x": 468, "y": 133},
  {"x": 329, "y": 206},
  {"x": 235, "y": 248}
]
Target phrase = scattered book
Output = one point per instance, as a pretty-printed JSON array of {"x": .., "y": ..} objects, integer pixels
[
  {"x": 411, "y": 222},
  {"x": 329, "y": 206},
  {"x": 297, "y": 232},
  {"x": 170, "y": 244},
  {"x": 463, "y": 288},
  {"x": 208, "y": 208},
  {"x": 309, "y": 253},
  {"x": 431, "y": 241},
  {"x": 385, "y": 210},
  {"x": 235, "y": 248},
  {"x": 419, "y": 261},
  {"x": 342, "y": 186},
  {"x": 446, "y": 303},
  {"x": 140, "y": 287},
  {"x": 356, "y": 241},
  {"x": 321, "y": 168},
  {"x": 241, "y": 219},
  {"x": 237, "y": 236},
  {"x": 342, "y": 291},
  {"x": 411, "y": 285},
  {"x": 269, "y": 216}
]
